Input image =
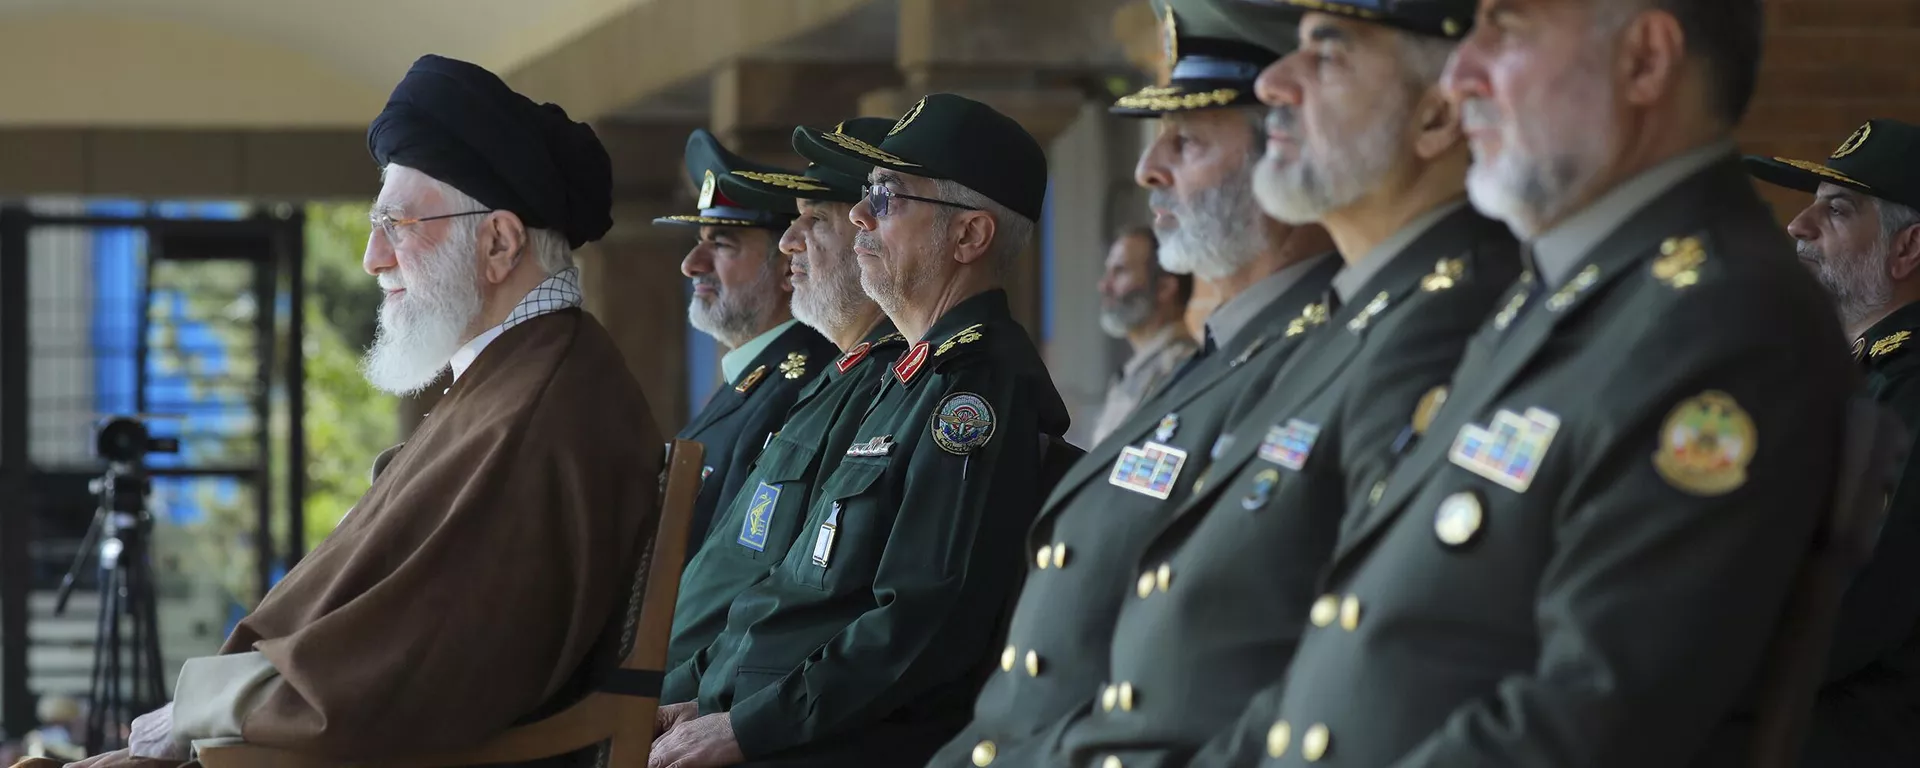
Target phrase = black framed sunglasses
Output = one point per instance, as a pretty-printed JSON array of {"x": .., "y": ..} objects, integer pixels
[{"x": 879, "y": 198}]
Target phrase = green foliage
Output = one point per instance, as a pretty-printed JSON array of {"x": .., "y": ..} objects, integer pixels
[{"x": 348, "y": 422}]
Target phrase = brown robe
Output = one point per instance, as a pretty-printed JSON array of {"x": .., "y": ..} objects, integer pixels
[{"x": 487, "y": 565}]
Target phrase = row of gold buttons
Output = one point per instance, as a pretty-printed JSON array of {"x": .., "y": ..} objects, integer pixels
[{"x": 1313, "y": 743}]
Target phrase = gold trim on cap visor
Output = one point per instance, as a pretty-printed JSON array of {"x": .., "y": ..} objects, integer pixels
[
  {"x": 870, "y": 151},
  {"x": 783, "y": 180},
  {"x": 1821, "y": 170},
  {"x": 1167, "y": 99},
  {"x": 713, "y": 221}
]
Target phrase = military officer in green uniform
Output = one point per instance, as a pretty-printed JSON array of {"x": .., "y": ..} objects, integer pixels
[
  {"x": 1861, "y": 236},
  {"x": 752, "y": 531},
  {"x": 1084, "y": 543},
  {"x": 740, "y": 297},
  {"x": 1362, "y": 139},
  {"x": 864, "y": 645},
  {"x": 1582, "y": 560}
]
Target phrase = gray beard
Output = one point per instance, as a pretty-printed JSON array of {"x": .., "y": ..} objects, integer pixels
[
  {"x": 734, "y": 316},
  {"x": 1126, "y": 313},
  {"x": 420, "y": 331},
  {"x": 891, "y": 289},
  {"x": 829, "y": 303},
  {"x": 1218, "y": 233},
  {"x": 1859, "y": 288},
  {"x": 1304, "y": 190}
]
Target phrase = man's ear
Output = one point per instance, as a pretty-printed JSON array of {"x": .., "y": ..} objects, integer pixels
[
  {"x": 1652, "y": 58},
  {"x": 1436, "y": 124},
  {"x": 1903, "y": 253},
  {"x": 503, "y": 241},
  {"x": 975, "y": 235}
]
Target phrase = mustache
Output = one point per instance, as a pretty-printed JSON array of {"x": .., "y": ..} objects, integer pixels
[
  {"x": 1806, "y": 250},
  {"x": 1283, "y": 119},
  {"x": 867, "y": 241},
  {"x": 391, "y": 280}
]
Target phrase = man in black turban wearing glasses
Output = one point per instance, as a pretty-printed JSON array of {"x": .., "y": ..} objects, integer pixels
[{"x": 483, "y": 577}]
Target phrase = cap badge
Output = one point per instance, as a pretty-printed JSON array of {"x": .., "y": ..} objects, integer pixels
[
  {"x": 706, "y": 190},
  {"x": 1852, "y": 144},
  {"x": 1169, "y": 45},
  {"x": 907, "y": 119}
]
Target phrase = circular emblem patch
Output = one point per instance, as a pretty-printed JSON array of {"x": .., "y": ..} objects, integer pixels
[
  {"x": 1705, "y": 445},
  {"x": 962, "y": 423}
]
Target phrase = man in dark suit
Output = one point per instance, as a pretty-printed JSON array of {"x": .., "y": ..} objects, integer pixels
[
  {"x": 1861, "y": 236},
  {"x": 741, "y": 298},
  {"x": 1089, "y": 533},
  {"x": 1583, "y": 561}
]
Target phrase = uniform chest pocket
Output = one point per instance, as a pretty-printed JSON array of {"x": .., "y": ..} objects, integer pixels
[
  {"x": 766, "y": 515},
  {"x": 847, "y": 529}
]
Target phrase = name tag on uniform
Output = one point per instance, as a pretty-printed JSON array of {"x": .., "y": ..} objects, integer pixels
[
  {"x": 1509, "y": 449},
  {"x": 753, "y": 530},
  {"x": 879, "y": 446},
  {"x": 1150, "y": 469},
  {"x": 1290, "y": 444},
  {"x": 823, "y": 543}
]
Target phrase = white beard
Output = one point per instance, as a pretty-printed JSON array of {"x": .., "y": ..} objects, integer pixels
[
  {"x": 1303, "y": 190},
  {"x": 421, "y": 329},
  {"x": 1219, "y": 230}
]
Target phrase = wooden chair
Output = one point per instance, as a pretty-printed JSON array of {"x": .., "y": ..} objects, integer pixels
[
  {"x": 1872, "y": 451},
  {"x": 619, "y": 713}
]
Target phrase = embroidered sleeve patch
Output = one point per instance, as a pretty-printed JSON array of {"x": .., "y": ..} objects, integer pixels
[
  {"x": 753, "y": 530},
  {"x": 1705, "y": 445},
  {"x": 962, "y": 423}
]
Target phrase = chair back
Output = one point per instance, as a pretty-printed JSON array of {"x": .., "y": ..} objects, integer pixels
[{"x": 1873, "y": 447}]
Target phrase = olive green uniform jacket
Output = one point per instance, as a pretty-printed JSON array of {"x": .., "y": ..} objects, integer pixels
[
  {"x": 1083, "y": 545},
  {"x": 1582, "y": 562},
  {"x": 866, "y": 643},
  {"x": 754, "y": 530},
  {"x": 1222, "y": 593},
  {"x": 740, "y": 414},
  {"x": 1868, "y": 712}
]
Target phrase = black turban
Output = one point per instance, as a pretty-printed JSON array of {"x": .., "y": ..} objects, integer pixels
[{"x": 460, "y": 124}]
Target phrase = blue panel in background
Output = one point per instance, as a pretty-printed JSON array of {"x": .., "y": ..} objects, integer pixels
[{"x": 1046, "y": 267}]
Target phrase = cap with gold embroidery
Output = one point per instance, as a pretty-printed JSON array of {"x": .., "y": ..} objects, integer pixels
[
  {"x": 759, "y": 189},
  {"x": 1450, "y": 19},
  {"x": 1881, "y": 158},
  {"x": 1216, "y": 51},
  {"x": 950, "y": 137},
  {"x": 707, "y": 162}
]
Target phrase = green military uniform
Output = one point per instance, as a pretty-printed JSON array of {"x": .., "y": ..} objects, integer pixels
[
  {"x": 864, "y": 644},
  {"x": 1219, "y": 598},
  {"x": 1583, "y": 560},
  {"x": 754, "y": 529},
  {"x": 1084, "y": 542},
  {"x": 743, "y": 412},
  {"x": 1868, "y": 710}
]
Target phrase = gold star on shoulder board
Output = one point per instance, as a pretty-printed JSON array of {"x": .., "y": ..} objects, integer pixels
[
  {"x": 795, "y": 365},
  {"x": 1679, "y": 262},
  {"x": 1445, "y": 274}
]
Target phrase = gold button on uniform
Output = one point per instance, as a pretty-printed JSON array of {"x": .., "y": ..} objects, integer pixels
[
  {"x": 1006, "y": 658},
  {"x": 1033, "y": 664},
  {"x": 1112, "y": 761},
  {"x": 1458, "y": 519},
  {"x": 1278, "y": 737},
  {"x": 1379, "y": 489},
  {"x": 983, "y": 754},
  {"x": 1044, "y": 557},
  {"x": 1350, "y": 613},
  {"x": 1325, "y": 610},
  {"x": 1314, "y": 744},
  {"x": 1109, "y": 697},
  {"x": 1163, "y": 577},
  {"x": 1126, "y": 696},
  {"x": 1060, "y": 554},
  {"x": 1145, "y": 586}
]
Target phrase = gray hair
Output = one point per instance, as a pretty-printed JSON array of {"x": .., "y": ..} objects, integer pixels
[
  {"x": 1011, "y": 231},
  {"x": 549, "y": 247},
  {"x": 1894, "y": 218},
  {"x": 1423, "y": 58}
]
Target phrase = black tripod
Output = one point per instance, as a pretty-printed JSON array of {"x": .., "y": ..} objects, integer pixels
[{"x": 126, "y": 680}]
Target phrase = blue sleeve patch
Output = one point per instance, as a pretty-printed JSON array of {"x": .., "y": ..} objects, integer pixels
[{"x": 753, "y": 531}]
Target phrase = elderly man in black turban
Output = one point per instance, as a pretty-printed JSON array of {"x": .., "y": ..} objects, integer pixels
[{"x": 482, "y": 579}]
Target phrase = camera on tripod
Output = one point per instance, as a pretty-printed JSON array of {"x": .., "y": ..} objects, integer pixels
[{"x": 126, "y": 680}]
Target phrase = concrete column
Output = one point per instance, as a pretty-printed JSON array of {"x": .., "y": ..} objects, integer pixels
[
  {"x": 756, "y": 104},
  {"x": 633, "y": 286}
]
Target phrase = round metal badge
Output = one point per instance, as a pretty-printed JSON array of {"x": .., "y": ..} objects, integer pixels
[{"x": 963, "y": 423}]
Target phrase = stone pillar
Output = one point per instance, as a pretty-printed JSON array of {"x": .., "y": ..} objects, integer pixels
[
  {"x": 632, "y": 284},
  {"x": 756, "y": 104}
]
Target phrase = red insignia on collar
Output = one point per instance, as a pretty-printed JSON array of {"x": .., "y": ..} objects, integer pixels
[
  {"x": 853, "y": 357},
  {"x": 911, "y": 362}
]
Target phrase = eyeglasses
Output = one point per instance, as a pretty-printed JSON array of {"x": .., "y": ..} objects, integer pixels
[
  {"x": 879, "y": 198},
  {"x": 389, "y": 226}
]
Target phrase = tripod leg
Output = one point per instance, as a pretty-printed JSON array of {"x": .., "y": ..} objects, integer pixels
[
  {"x": 116, "y": 700},
  {"x": 97, "y": 716},
  {"x": 153, "y": 687}
]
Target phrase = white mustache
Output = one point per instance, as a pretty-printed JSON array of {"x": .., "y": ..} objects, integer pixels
[
  {"x": 867, "y": 241},
  {"x": 391, "y": 280},
  {"x": 1476, "y": 114}
]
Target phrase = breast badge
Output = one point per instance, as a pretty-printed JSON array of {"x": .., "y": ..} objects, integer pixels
[
  {"x": 1289, "y": 444},
  {"x": 753, "y": 530},
  {"x": 1509, "y": 449},
  {"x": 1150, "y": 469},
  {"x": 962, "y": 423},
  {"x": 1705, "y": 445}
]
